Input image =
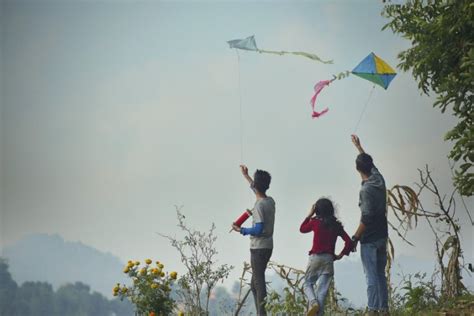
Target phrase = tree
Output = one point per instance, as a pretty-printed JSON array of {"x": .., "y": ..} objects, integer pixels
[
  {"x": 39, "y": 297},
  {"x": 198, "y": 254},
  {"x": 442, "y": 60},
  {"x": 8, "y": 289},
  {"x": 408, "y": 206}
]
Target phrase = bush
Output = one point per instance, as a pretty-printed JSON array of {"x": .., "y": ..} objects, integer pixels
[{"x": 150, "y": 290}]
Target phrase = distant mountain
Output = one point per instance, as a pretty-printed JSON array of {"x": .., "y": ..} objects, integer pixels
[{"x": 49, "y": 258}]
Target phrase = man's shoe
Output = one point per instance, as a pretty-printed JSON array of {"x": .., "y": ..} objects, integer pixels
[{"x": 313, "y": 311}]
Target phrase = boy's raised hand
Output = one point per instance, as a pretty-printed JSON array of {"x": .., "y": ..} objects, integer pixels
[
  {"x": 356, "y": 141},
  {"x": 244, "y": 169}
]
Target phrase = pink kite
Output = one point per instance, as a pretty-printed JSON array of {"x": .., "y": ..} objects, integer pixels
[{"x": 317, "y": 89}]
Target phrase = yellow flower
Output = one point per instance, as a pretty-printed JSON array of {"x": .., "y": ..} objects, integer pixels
[
  {"x": 143, "y": 271},
  {"x": 148, "y": 261},
  {"x": 173, "y": 275},
  {"x": 116, "y": 289},
  {"x": 155, "y": 271},
  {"x": 124, "y": 290},
  {"x": 161, "y": 266},
  {"x": 162, "y": 274},
  {"x": 181, "y": 313},
  {"x": 157, "y": 262},
  {"x": 130, "y": 264},
  {"x": 137, "y": 263},
  {"x": 154, "y": 286},
  {"x": 126, "y": 270}
]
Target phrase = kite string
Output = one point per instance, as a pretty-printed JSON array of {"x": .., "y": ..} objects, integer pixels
[
  {"x": 363, "y": 111},
  {"x": 240, "y": 112}
]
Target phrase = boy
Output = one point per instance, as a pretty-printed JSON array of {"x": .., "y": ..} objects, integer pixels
[
  {"x": 261, "y": 234},
  {"x": 372, "y": 231}
]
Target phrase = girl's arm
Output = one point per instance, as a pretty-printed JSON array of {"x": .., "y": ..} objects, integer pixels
[
  {"x": 347, "y": 245},
  {"x": 307, "y": 225}
]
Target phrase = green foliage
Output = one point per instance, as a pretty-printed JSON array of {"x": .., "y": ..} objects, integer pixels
[
  {"x": 285, "y": 304},
  {"x": 198, "y": 253},
  {"x": 442, "y": 60},
  {"x": 151, "y": 288},
  {"x": 419, "y": 294}
]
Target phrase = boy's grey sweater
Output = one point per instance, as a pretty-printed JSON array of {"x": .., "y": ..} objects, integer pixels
[{"x": 373, "y": 203}]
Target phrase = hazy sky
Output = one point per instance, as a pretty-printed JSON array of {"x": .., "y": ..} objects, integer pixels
[{"x": 114, "y": 112}]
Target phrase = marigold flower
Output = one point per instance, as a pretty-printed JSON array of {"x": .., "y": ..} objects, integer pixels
[
  {"x": 126, "y": 270},
  {"x": 173, "y": 275},
  {"x": 161, "y": 266},
  {"x": 148, "y": 261},
  {"x": 162, "y": 274},
  {"x": 137, "y": 263},
  {"x": 154, "y": 286},
  {"x": 152, "y": 314}
]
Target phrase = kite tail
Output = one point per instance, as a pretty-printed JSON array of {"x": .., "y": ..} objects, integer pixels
[
  {"x": 317, "y": 89},
  {"x": 318, "y": 114},
  {"x": 304, "y": 54}
]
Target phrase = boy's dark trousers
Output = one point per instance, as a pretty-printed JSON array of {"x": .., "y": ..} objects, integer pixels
[{"x": 258, "y": 260}]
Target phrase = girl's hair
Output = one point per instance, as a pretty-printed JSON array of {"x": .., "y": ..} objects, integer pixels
[{"x": 325, "y": 212}]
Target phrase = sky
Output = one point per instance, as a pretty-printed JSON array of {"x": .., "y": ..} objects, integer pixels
[{"x": 114, "y": 113}]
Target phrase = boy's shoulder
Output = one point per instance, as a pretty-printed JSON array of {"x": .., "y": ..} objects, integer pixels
[{"x": 267, "y": 204}]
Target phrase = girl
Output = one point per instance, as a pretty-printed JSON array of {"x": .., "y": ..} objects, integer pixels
[{"x": 326, "y": 228}]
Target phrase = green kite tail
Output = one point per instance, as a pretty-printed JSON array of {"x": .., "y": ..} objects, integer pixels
[
  {"x": 304, "y": 54},
  {"x": 341, "y": 75}
]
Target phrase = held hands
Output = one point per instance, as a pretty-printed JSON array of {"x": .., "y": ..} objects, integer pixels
[{"x": 354, "y": 245}]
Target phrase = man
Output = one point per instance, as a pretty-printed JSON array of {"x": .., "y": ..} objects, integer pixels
[
  {"x": 372, "y": 231},
  {"x": 261, "y": 234}
]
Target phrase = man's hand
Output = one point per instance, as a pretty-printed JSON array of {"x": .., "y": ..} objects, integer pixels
[
  {"x": 312, "y": 210},
  {"x": 356, "y": 142},
  {"x": 338, "y": 257},
  {"x": 236, "y": 228},
  {"x": 245, "y": 170}
]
